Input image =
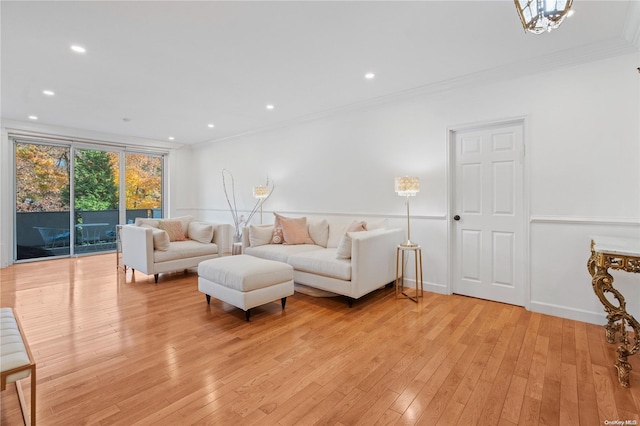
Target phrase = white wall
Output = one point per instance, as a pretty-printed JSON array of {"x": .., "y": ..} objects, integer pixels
[{"x": 582, "y": 166}]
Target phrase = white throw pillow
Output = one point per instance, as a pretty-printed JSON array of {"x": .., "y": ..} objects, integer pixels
[
  {"x": 381, "y": 224},
  {"x": 201, "y": 232},
  {"x": 260, "y": 235},
  {"x": 160, "y": 239},
  {"x": 319, "y": 232},
  {"x": 344, "y": 247},
  {"x": 151, "y": 223}
]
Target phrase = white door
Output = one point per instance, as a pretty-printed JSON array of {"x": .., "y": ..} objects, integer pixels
[{"x": 488, "y": 212}]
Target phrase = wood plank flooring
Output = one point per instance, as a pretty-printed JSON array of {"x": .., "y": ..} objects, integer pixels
[{"x": 116, "y": 349}]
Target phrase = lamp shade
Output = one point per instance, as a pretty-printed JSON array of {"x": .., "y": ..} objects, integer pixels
[
  {"x": 260, "y": 191},
  {"x": 538, "y": 16},
  {"x": 407, "y": 186}
]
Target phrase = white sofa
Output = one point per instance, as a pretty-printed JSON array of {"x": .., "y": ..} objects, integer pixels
[
  {"x": 322, "y": 263},
  {"x": 150, "y": 245}
]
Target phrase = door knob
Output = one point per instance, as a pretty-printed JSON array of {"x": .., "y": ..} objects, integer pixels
[{"x": 456, "y": 217}]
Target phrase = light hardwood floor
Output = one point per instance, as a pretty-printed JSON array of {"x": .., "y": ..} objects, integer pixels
[{"x": 122, "y": 350}]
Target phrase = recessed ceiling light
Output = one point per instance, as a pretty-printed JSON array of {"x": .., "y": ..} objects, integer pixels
[
  {"x": 33, "y": 117},
  {"x": 211, "y": 126},
  {"x": 369, "y": 75},
  {"x": 78, "y": 49},
  {"x": 48, "y": 92},
  {"x": 270, "y": 106},
  {"x": 171, "y": 138}
]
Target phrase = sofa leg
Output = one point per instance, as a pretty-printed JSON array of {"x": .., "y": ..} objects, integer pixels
[
  {"x": 247, "y": 313},
  {"x": 350, "y": 300},
  {"x": 155, "y": 276},
  {"x": 283, "y": 301},
  {"x": 208, "y": 299}
]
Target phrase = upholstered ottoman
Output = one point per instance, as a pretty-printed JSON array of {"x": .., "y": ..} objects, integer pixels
[{"x": 245, "y": 281}]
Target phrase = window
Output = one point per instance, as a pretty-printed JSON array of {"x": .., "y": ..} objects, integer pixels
[{"x": 68, "y": 196}]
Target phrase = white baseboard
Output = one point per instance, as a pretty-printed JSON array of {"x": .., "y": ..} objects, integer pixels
[
  {"x": 598, "y": 318},
  {"x": 432, "y": 287}
]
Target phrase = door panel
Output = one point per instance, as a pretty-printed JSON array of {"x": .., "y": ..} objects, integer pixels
[{"x": 488, "y": 198}]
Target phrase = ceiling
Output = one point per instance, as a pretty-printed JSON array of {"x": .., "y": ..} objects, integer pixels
[{"x": 155, "y": 70}]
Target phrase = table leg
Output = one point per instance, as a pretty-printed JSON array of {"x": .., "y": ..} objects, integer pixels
[{"x": 617, "y": 321}]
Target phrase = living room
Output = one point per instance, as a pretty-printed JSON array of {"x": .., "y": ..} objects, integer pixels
[{"x": 578, "y": 108}]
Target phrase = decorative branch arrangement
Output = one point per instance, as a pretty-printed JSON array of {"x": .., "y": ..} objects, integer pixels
[{"x": 239, "y": 221}]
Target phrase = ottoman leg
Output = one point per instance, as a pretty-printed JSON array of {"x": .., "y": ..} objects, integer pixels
[
  {"x": 208, "y": 299},
  {"x": 247, "y": 313},
  {"x": 283, "y": 301}
]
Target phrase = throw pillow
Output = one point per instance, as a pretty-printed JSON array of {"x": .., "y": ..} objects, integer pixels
[
  {"x": 160, "y": 239},
  {"x": 344, "y": 248},
  {"x": 381, "y": 224},
  {"x": 152, "y": 223},
  {"x": 173, "y": 228},
  {"x": 260, "y": 235},
  {"x": 357, "y": 226},
  {"x": 201, "y": 232},
  {"x": 295, "y": 230},
  {"x": 319, "y": 232},
  {"x": 277, "y": 237},
  {"x": 184, "y": 221}
]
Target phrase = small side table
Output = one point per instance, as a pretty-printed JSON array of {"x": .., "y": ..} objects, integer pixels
[{"x": 400, "y": 252}]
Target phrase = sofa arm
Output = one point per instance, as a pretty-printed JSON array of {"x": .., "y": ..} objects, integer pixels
[
  {"x": 137, "y": 248},
  {"x": 223, "y": 237},
  {"x": 373, "y": 258}
]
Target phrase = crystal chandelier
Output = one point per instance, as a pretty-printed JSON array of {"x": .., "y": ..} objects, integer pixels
[{"x": 538, "y": 16}]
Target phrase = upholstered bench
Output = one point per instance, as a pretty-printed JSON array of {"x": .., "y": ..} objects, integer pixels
[
  {"x": 16, "y": 361},
  {"x": 245, "y": 281}
]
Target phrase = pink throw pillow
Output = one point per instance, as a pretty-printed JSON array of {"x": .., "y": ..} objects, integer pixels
[
  {"x": 173, "y": 228},
  {"x": 295, "y": 231},
  {"x": 277, "y": 237},
  {"x": 357, "y": 226}
]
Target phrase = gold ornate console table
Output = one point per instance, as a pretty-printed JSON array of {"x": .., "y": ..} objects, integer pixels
[{"x": 623, "y": 254}]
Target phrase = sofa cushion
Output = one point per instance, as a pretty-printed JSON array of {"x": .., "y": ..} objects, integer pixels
[
  {"x": 322, "y": 262},
  {"x": 277, "y": 237},
  {"x": 201, "y": 232},
  {"x": 260, "y": 235},
  {"x": 319, "y": 231},
  {"x": 151, "y": 223},
  {"x": 336, "y": 231},
  {"x": 295, "y": 231},
  {"x": 160, "y": 239},
  {"x": 184, "y": 221},
  {"x": 183, "y": 250},
  {"x": 380, "y": 224},
  {"x": 173, "y": 228},
  {"x": 280, "y": 252}
]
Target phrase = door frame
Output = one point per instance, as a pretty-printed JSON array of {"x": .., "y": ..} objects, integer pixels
[{"x": 524, "y": 226}]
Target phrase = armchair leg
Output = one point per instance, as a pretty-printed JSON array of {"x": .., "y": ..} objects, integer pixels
[
  {"x": 247, "y": 313},
  {"x": 208, "y": 299},
  {"x": 155, "y": 276}
]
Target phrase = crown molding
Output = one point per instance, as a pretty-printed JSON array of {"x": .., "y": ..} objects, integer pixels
[{"x": 616, "y": 46}]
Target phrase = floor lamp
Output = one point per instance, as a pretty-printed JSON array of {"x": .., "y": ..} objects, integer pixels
[
  {"x": 261, "y": 193},
  {"x": 407, "y": 186}
]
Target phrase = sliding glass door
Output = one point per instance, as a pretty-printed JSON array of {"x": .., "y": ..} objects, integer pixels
[
  {"x": 42, "y": 176},
  {"x": 96, "y": 200},
  {"x": 69, "y": 197}
]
